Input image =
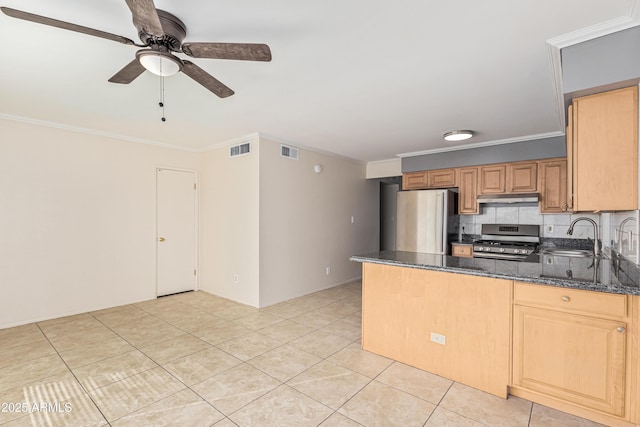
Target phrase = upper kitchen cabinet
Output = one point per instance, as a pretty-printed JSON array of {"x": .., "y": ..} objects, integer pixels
[
  {"x": 553, "y": 185},
  {"x": 514, "y": 177},
  {"x": 415, "y": 180},
  {"x": 493, "y": 179},
  {"x": 441, "y": 178},
  {"x": 522, "y": 177},
  {"x": 602, "y": 151},
  {"x": 468, "y": 191}
]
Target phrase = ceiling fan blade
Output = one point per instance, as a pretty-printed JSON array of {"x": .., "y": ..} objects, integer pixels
[
  {"x": 241, "y": 51},
  {"x": 14, "y": 13},
  {"x": 206, "y": 79},
  {"x": 128, "y": 73},
  {"x": 145, "y": 17}
]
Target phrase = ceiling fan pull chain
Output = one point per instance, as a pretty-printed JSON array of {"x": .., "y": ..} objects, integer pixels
[{"x": 161, "y": 103}]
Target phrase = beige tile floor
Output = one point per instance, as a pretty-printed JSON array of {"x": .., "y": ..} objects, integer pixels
[{"x": 195, "y": 359}]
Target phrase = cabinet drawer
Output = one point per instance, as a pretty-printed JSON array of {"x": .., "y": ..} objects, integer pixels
[
  {"x": 462, "y": 250},
  {"x": 572, "y": 300}
]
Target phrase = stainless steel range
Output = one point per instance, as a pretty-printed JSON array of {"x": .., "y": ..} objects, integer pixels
[{"x": 507, "y": 241}]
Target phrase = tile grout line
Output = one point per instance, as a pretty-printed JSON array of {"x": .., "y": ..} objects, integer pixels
[{"x": 74, "y": 375}]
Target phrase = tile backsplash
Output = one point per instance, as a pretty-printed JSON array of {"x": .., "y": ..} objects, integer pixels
[
  {"x": 554, "y": 226},
  {"x": 614, "y": 231}
]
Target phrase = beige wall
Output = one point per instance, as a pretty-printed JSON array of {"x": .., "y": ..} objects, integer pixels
[
  {"x": 229, "y": 218},
  {"x": 384, "y": 168},
  {"x": 305, "y": 222},
  {"x": 77, "y": 221}
]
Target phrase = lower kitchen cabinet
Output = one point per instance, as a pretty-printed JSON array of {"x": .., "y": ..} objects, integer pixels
[
  {"x": 576, "y": 358},
  {"x": 573, "y": 347}
]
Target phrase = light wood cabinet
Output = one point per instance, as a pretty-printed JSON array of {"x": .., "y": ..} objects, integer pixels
[
  {"x": 422, "y": 180},
  {"x": 493, "y": 179},
  {"x": 468, "y": 191},
  {"x": 415, "y": 180},
  {"x": 403, "y": 307},
  {"x": 552, "y": 185},
  {"x": 462, "y": 250},
  {"x": 604, "y": 151},
  {"x": 522, "y": 177},
  {"x": 571, "y": 345},
  {"x": 442, "y": 178}
]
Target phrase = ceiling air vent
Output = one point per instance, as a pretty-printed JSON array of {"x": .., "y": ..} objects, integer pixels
[
  {"x": 290, "y": 152},
  {"x": 240, "y": 150}
]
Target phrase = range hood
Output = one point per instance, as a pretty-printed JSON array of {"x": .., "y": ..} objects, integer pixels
[{"x": 509, "y": 198}]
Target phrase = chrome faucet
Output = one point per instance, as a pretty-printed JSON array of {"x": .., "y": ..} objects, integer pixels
[
  {"x": 596, "y": 235},
  {"x": 621, "y": 232}
]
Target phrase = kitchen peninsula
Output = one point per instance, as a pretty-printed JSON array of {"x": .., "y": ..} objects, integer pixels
[{"x": 560, "y": 331}]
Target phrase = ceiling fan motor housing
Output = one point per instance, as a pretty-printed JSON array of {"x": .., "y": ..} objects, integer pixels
[{"x": 174, "y": 32}]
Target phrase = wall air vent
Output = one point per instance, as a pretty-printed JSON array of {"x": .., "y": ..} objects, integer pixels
[
  {"x": 240, "y": 150},
  {"x": 289, "y": 152}
]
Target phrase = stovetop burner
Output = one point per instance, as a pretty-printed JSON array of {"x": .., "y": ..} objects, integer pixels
[{"x": 507, "y": 241}]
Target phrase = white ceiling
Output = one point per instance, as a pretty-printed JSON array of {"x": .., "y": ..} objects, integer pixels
[{"x": 366, "y": 79}]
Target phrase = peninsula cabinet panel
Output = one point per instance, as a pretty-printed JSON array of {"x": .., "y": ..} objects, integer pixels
[
  {"x": 522, "y": 177},
  {"x": 415, "y": 180},
  {"x": 402, "y": 309},
  {"x": 605, "y": 151},
  {"x": 468, "y": 191},
  {"x": 553, "y": 186},
  {"x": 578, "y": 359},
  {"x": 493, "y": 179}
]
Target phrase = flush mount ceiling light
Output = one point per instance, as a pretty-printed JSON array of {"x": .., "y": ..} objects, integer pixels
[
  {"x": 159, "y": 63},
  {"x": 458, "y": 135}
]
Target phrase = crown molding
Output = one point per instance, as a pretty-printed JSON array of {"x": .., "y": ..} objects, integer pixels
[
  {"x": 555, "y": 45},
  {"x": 482, "y": 144},
  {"x": 86, "y": 131}
]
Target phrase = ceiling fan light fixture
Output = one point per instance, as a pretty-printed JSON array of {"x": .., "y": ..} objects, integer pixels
[
  {"x": 159, "y": 63},
  {"x": 458, "y": 135}
]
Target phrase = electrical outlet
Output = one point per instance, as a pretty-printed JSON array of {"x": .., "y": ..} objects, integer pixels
[
  {"x": 438, "y": 338},
  {"x": 236, "y": 279},
  {"x": 548, "y": 229},
  {"x": 353, "y": 219},
  {"x": 328, "y": 271}
]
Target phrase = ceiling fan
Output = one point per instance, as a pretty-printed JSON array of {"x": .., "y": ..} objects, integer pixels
[{"x": 161, "y": 34}]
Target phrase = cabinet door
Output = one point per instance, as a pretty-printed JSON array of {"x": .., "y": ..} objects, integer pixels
[
  {"x": 415, "y": 180},
  {"x": 468, "y": 191},
  {"x": 493, "y": 179},
  {"x": 569, "y": 142},
  {"x": 553, "y": 186},
  {"x": 522, "y": 177},
  {"x": 605, "y": 151},
  {"x": 442, "y": 178},
  {"x": 579, "y": 359}
]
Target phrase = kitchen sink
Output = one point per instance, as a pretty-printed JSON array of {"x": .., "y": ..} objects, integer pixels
[{"x": 580, "y": 253}]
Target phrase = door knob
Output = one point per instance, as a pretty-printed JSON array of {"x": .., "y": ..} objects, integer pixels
[{"x": 161, "y": 239}]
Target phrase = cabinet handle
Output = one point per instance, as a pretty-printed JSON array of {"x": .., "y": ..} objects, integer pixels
[
  {"x": 566, "y": 298},
  {"x": 621, "y": 329}
]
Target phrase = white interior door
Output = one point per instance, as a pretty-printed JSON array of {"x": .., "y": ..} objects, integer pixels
[{"x": 176, "y": 233}]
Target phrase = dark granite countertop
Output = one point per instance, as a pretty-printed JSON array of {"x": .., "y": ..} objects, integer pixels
[{"x": 616, "y": 275}]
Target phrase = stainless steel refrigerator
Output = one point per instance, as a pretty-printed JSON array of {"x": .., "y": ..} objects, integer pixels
[{"x": 425, "y": 219}]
